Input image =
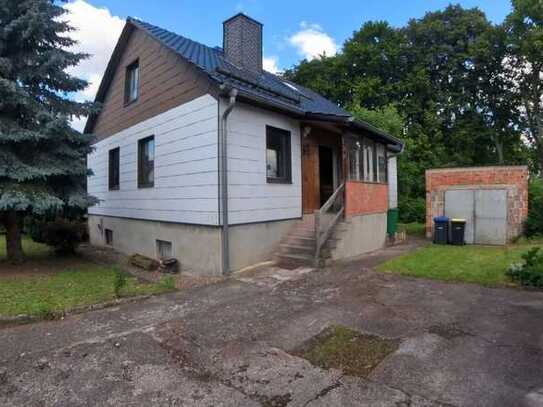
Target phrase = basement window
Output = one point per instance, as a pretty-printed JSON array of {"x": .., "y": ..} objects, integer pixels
[
  {"x": 109, "y": 237},
  {"x": 164, "y": 249},
  {"x": 278, "y": 156},
  {"x": 132, "y": 79}
]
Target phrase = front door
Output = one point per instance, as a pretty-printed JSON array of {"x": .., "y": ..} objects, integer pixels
[
  {"x": 310, "y": 178},
  {"x": 320, "y": 169},
  {"x": 326, "y": 173}
]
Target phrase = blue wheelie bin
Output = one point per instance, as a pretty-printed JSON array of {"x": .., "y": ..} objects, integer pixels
[{"x": 441, "y": 229}]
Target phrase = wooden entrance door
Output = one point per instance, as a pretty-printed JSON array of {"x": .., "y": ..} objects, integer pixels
[{"x": 310, "y": 178}]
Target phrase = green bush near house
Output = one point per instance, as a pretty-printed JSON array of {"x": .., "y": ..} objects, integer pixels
[
  {"x": 412, "y": 210},
  {"x": 530, "y": 272},
  {"x": 63, "y": 235},
  {"x": 534, "y": 223}
]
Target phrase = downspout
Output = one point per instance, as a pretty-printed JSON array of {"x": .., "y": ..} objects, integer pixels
[{"x": 224, "y": 179}]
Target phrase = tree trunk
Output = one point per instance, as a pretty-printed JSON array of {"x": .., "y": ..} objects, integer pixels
[
  {"x": 499, "y": 150},
  {"x": 14, "y": 247}
]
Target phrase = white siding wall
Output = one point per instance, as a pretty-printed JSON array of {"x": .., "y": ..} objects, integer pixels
[
  {"x": 186, "y": 167},
  {"x": 251, "y": 198}
]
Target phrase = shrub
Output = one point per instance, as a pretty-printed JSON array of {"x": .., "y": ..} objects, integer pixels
[
  {"x": 119, "y": 282},
  {"x": 530, "y": 272},
  {"x": 168, "y": 283},
  {"x": 412, "y": 210},
  {"x": 534, "y": 223},
  {"x": 61, "y": 234}
]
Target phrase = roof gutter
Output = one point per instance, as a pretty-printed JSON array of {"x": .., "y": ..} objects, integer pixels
[
  {"x": 223, "y": 176},
  {"x": 395, "y": 144}
]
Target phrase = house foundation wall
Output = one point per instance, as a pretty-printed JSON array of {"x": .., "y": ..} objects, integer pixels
[
  {"x": 196, "y": 247},
  {"x": 358, "y": 235},
  {"x": 256, "y": 242}
]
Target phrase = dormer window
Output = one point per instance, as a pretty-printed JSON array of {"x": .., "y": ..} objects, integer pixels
[{"x": 132, "y": 80}]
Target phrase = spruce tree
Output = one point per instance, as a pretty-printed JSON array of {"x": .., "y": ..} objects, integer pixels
[{"x": 42, "y": 159}]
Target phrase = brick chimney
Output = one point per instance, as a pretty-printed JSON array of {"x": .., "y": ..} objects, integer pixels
[{"x": 242, "y": 42}]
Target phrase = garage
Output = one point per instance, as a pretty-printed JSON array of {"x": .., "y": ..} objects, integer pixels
[
  {"x": 492, "y": 200},
  {"x": 485, "y": 212}
]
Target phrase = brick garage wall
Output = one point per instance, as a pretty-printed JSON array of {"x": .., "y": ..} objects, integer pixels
[
  {"x": 362, "y": 198},
  {"x": 513, "y": 179}
]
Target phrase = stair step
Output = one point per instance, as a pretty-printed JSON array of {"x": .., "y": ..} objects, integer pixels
[
  {"x": 301, "y": 232},
  {"x": 291, "y": 245},
  {"x": 299, "y": 257},
  {"x": 305, "y": 238},
  {"x": 291, "y": 249}
]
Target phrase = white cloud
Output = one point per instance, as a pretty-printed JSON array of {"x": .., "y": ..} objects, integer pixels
[
  {"x": 97, "y": 32},
  {"x": 79, "y": 123},
  {"x": 312, "y": 42},
  {"x": 271, "y": 64}
]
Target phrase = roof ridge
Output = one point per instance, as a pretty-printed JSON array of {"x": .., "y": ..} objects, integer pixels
[{"x": 145, "y": 23}]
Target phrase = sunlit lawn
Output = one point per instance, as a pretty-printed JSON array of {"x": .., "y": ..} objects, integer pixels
[
  {"x": 78, "y": 284},
  {"x": 473, "y": 264}
]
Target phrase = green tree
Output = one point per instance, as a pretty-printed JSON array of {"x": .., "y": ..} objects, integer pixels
[
  {"x": 445, "y": 75},
  {"x": 42, "y": 159},
  {"x": 525, "y": 66}
]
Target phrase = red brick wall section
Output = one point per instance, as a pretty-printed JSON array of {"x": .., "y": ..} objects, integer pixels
[
  {"x": 514, "y": 179},
  {"x": 363, "y": 198}
]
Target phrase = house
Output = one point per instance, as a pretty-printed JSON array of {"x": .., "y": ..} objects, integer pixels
[{"x": 202, "y": 155}]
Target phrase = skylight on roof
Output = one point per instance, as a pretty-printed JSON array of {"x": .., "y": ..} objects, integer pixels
[{"x": 291, "y": 86}]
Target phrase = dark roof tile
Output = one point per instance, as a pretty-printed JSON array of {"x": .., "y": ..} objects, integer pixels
[{"x": 264, "y": 85}]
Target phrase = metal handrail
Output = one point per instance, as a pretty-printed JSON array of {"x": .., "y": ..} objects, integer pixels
[{"x": 322, "y": 232}]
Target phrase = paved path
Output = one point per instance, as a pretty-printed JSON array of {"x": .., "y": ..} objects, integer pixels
[{"x": 228, "y": 345}]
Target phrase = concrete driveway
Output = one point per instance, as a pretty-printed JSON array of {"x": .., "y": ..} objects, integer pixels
[{"x": 228, "y": 345}]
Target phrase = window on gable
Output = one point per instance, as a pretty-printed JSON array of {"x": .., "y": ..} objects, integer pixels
[
  {"x": 146, "y": 162},
  {"x": 132, "y": 79},
  {"x": 114, "y": 160},
  {"x": 278, "y": 156}
]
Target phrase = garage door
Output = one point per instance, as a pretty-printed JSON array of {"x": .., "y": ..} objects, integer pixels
[
  {"x": 485, "y": 211},
  {"x": 459, "y": 204}
]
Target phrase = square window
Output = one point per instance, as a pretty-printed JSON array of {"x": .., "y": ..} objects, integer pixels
[
  {"x": 109, "y": 237},
  {"x": 164, "y": 249},
  {"x": 113, "y": 171},
  {"x": 132, "y": 80},
  {"x": 382, "y": 164},
  {"x": 278, "y": 156},
  {"x": 146, "y": 162}
]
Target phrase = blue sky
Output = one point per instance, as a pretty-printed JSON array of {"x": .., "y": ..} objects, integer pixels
[
  {"x": 293, "y": 29},
  {"x": 201, "y": 20}
]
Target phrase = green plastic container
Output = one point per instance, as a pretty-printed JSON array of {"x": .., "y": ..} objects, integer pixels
[{"x": 392, "y": 221}]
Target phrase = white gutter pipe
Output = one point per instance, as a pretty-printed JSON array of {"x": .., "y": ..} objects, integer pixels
[{"x": 223, "y": 170}]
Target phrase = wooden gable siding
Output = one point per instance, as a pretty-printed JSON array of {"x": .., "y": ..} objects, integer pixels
[{"x": 166, "y": 81}]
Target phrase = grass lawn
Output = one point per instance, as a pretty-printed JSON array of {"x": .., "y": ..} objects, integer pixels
[
  {"x": 413, "y": 229},
  {"x": 339, "y": 347},
  {"x": 76, "y": 282},
  {"x": 473, "y": 264}
]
